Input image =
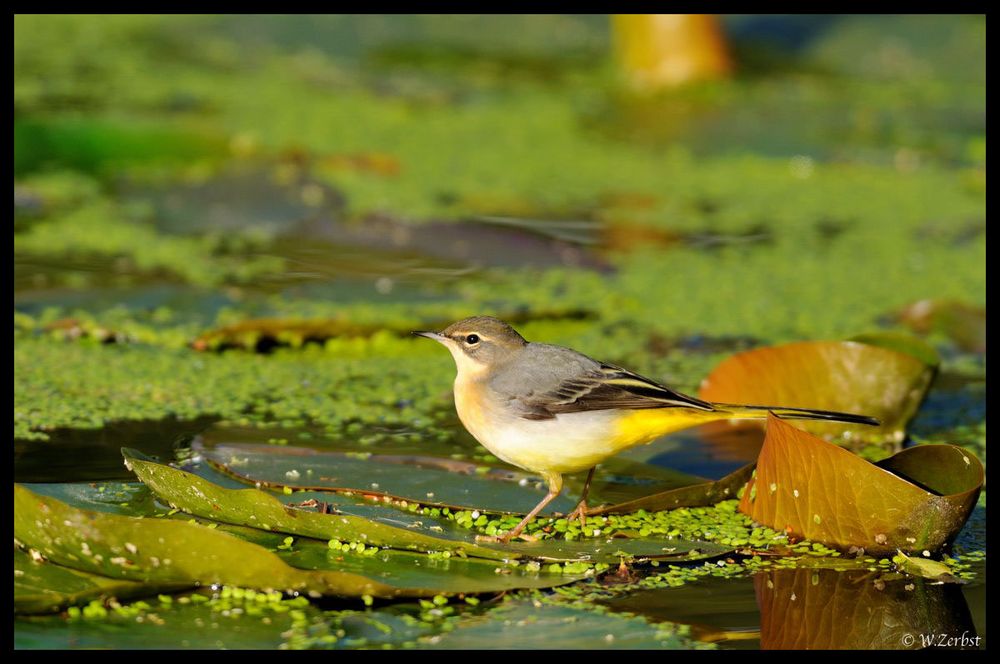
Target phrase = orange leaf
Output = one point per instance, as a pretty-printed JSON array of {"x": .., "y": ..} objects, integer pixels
[
  {"x": 915, "y": 500},
  {"x": 843, "y": 376}
]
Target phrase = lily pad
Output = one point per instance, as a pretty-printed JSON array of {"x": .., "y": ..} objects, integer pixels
[
  {"x": 258, "y": 509},
  {"x": 125, "y": 498},
  {"x": 168, "y": 551},
  {"x": 555, "y": 626},
  {"x": 44, "y": 587},
  {"x": 424, "y": 480},
  {"x": 859, "y": 610},
  {"x": 915, "y": 500},
  {"x": 903, "y": 343},
  {"x": 188, "y": 621},
  {"x": 614, "y": 550},
  {"x": 405, "y": 569},
  {"x": 382, "y": 526},
  {"x": 706, "y": 493},
  {"x": 962, "y": 323},
  {"x": 924, "y": 567},
  {"x": 429, "y": 481},
  {"x": 843, "y": 376}
]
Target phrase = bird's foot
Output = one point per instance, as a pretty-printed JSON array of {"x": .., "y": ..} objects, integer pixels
[
  {"x": 580, "y": 512},
  {"x": 490, "y": 539},
  {"x": 506, "y": 539}
]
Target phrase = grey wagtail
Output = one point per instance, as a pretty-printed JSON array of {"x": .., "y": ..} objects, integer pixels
[{"x": 552, "y": 410}]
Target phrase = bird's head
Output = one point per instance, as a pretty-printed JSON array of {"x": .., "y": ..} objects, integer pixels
[{"x": 478, "y": 343}]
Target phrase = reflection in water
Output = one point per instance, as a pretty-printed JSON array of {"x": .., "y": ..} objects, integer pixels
[
  {"x": 710, "y": 450},
  {"x": 95, "y": 454},
  {"x": 821, "y": 609},
  {"x": 718, "y": 610}
]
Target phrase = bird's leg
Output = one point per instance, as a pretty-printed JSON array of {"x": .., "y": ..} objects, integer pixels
[
  {"x": 581, "y": 507},
  {"x": 555, "y": 487}
]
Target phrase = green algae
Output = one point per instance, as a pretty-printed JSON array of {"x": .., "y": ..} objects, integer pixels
[
  {"x": 103, "y": 383},
  {"x": 223, "y": 617},
  {"x": 103, "y": 230},
  {"x": 879, "y": 204},
  {"x": 721, "y": 524}
]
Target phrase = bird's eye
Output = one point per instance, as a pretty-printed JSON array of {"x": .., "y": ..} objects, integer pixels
[{"x": 472, "y": 339}]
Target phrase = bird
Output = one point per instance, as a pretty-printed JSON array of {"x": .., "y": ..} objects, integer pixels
[{"x": 552, "y": 410}]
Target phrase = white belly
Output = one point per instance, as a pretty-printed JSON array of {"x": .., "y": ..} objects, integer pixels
[{"x": 568, "y": 443}]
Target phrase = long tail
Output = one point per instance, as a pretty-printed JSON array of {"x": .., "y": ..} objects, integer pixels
[{"x": 741, "y": 411}]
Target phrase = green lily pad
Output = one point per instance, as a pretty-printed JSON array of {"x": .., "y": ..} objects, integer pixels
[
  {"x": 386, "y": 527},
  {"x": 858, "y": 610},
  {"x": 842, "y": 376},
  {"x": 187, "y": 621},
  {"x": 405, "y": 569},
  {"x": 44, "y": 587},
  {"x": 114, "y": 497},
  {"x": 915, "y": 500},
  {"x": 964, "y": 324},
  {"x": 168, "y": 551},
  {"x": 402, "y": 569},
  {"x": 430, "y": 481},
  {"x": 425, "y": 480},
  {"x": 924, "y": 567},
  {"x": 257, "y": 509},
  {"x": 555, "y": 626}
]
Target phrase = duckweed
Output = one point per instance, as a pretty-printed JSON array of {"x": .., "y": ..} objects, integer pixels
[{"x": 719, "y": 523}]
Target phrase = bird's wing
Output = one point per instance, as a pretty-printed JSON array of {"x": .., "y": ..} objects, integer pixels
[{"x": 561, "y": 380}]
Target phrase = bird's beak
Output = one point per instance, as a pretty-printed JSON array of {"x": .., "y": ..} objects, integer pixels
[{"x": 440, "y": 338}]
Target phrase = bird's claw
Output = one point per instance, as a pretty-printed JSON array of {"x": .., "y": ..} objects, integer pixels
[
  {"x": 579, "y": 513},
  {"x": 505, "y": 539},
  {"x": 492, "y": 539}
]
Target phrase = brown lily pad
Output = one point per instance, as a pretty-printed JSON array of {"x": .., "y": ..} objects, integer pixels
[
  {"x": 706, "y": 493},
  {"x": 915, "y": 500},
  {"x": 842, "y": 376}
]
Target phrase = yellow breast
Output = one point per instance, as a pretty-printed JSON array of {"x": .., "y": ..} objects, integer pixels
[{"x": 471, "y": 409}]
